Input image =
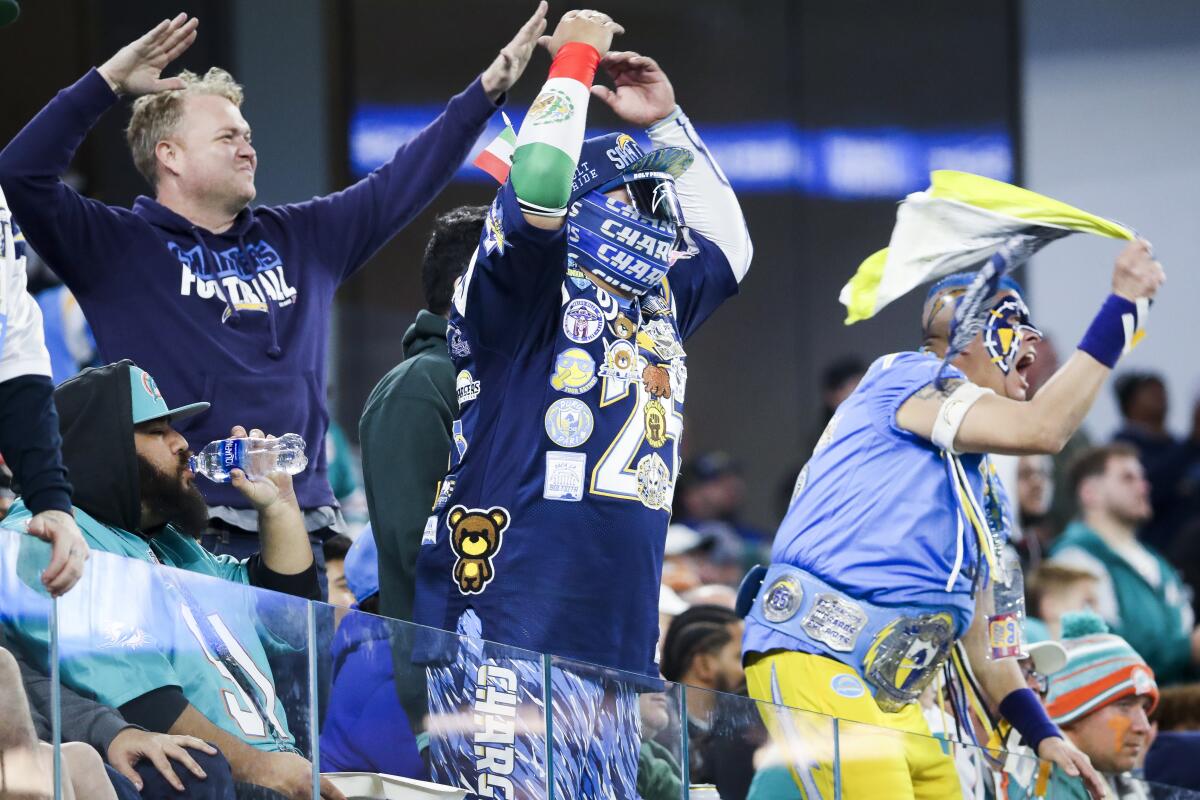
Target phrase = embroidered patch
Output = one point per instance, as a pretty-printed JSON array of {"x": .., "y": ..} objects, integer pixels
[
  {"x": 653, "y": 482},
  {"x": 569, "y": 422},
  {"x": 466, "y": 387},
  {"x": 574, "y": 371},
  {"x": 456, "y": 340},
  {"x": 582, "y": 321},
  {"x": 475, "y": 537},
  {"x": 564, "y": 476},
  {"x": 656, "y": 424},
  {"x": 430, "y": 536}
]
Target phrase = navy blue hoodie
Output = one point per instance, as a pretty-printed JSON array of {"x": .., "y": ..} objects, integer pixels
[{"x": 241, "y": 318}]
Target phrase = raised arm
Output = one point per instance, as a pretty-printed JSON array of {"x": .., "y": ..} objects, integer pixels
[
  {"x": 551, "y": 136},
  {"x": 993, "y": 424},
  {"x": 286, "y": 560},
  {"x": 65, "y": 228},
  {"x": 643, "y": 95},
  {"x": 347, "y": 227}
]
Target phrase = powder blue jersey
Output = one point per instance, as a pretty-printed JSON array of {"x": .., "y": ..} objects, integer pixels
[
  {"x": 874, "y": 513},
  {"x": 552, "y": 519}
]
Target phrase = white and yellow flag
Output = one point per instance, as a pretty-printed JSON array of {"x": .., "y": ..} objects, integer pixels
[{"x": 958, "y": 223}]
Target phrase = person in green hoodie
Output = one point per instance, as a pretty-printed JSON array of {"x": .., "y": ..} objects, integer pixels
[
  {"x": 406, "y": 432},
  {"x": 1141, "y": 596}
]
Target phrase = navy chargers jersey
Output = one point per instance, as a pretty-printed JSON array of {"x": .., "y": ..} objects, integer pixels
[{"x": 552, "y": 519}]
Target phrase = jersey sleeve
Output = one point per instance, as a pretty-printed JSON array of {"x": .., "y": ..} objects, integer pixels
[
  {"x": 893, "y": 379},
  {"x": 699, "y": 284},
  {"x": 513, "y": 281}
]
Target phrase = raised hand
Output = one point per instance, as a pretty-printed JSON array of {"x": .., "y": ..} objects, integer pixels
[
  {"x": 1136, "y": 274},
  {"x": 643, "y": 95},
  {"x": 500, "y": 76},
  {"x": 590, "y": 27},
  {"x": 136, "y": 67}
]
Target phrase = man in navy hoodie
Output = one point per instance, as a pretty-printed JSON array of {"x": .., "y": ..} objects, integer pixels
[{"x": 215, "y": 298}]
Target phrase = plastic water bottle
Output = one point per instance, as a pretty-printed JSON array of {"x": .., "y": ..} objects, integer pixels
[{"x": 255, "y": 457}]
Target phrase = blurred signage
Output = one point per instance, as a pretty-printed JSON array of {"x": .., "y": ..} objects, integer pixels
[{"x": 763, "y": 156}]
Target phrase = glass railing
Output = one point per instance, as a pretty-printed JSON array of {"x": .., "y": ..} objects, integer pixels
[{"x": 305, "y": 690}]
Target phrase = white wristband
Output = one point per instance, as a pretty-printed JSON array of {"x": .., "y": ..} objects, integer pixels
[{"x": 950, "y": 415}]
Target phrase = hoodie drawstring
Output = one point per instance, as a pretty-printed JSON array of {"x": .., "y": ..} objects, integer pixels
[
  {"x": 204, "y": 250},
  {"x": 274, "y": 350}
]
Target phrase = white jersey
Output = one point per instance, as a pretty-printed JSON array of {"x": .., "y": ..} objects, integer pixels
[{"x": 22, "y": 345}]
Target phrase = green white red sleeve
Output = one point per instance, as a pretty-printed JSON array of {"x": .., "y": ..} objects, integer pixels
[{"x": 551, "y": 135}]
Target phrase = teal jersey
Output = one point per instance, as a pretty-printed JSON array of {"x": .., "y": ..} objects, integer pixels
[{"x": 128, "y": 628}]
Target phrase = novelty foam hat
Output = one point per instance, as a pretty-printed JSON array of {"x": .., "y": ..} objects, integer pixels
[
  {"x": 1101, "y": 669},
  {"x": 615, "y": 158}
]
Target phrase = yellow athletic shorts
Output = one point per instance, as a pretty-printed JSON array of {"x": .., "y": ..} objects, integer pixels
[{"x": 882, "y": 756}]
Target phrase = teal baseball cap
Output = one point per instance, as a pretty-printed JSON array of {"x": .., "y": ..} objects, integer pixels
[{"x": 148, "y": 402}]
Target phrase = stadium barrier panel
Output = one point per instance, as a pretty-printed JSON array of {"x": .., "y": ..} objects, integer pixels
[
  {"x": 25, "y": 604},
  {"x": 137, "y": 621},
  {"x": 392, "y": 689}
]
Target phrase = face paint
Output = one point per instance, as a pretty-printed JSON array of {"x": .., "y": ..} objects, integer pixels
[
  {"x": 1119, "y": 725},
  {"x": 1006, "y": 327}
]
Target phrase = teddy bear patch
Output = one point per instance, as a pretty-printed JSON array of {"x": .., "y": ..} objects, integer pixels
[{"x": 475, "y": 537}]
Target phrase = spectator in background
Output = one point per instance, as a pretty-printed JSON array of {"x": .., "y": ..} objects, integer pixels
[
  {"x": 365, "y": 728},
  {"x": 1101, "y": 700},
  {"x": 1035, "y": 493},
  {"x": 1054, "y": 590},
  {"x": 1172, "y": 758},
  {"x": 710, "y": 497},
  {"x": 136, "y": 497},
  {"x": 711, "y": 594},
  {"x": 334, "y": 549},
  {"x": 1140, "y": 595},
  {"x": 658, "y": 775},
  {"x": 703, "y": 649},
  {"x": 1062, "y": 504},
  {"x": 406, "y": 432},
  {"x": 1172, "y": 466},
  {"x": 406, "y": 426},
  {"x": 681, "y": 572},
  {"x": 248, "y": 291}
]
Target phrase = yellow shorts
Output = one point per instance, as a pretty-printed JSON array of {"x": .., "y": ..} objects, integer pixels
[{"x": 881, "y": 755}]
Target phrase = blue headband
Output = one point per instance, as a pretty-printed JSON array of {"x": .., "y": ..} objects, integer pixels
[{"x": 961, "y": 280}]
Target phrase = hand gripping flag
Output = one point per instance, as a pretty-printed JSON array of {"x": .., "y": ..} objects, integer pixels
[
  {"x": 496, "y": 158},
  {"x": 963, "y": 221}
]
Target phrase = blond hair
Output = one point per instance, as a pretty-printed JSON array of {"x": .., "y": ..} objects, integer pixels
[{"x": 156, "y": 115}]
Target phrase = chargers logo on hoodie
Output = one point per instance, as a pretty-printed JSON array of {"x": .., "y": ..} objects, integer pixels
[{"x": 243, "y": 279}]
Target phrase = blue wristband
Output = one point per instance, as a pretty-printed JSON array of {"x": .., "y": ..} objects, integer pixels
[
  {"x": 1112, "y": 330},
  {"x": 1027, "y": 714}
]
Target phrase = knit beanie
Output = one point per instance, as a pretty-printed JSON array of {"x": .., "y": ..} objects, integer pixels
[{"x": 1101, "y": 669}]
